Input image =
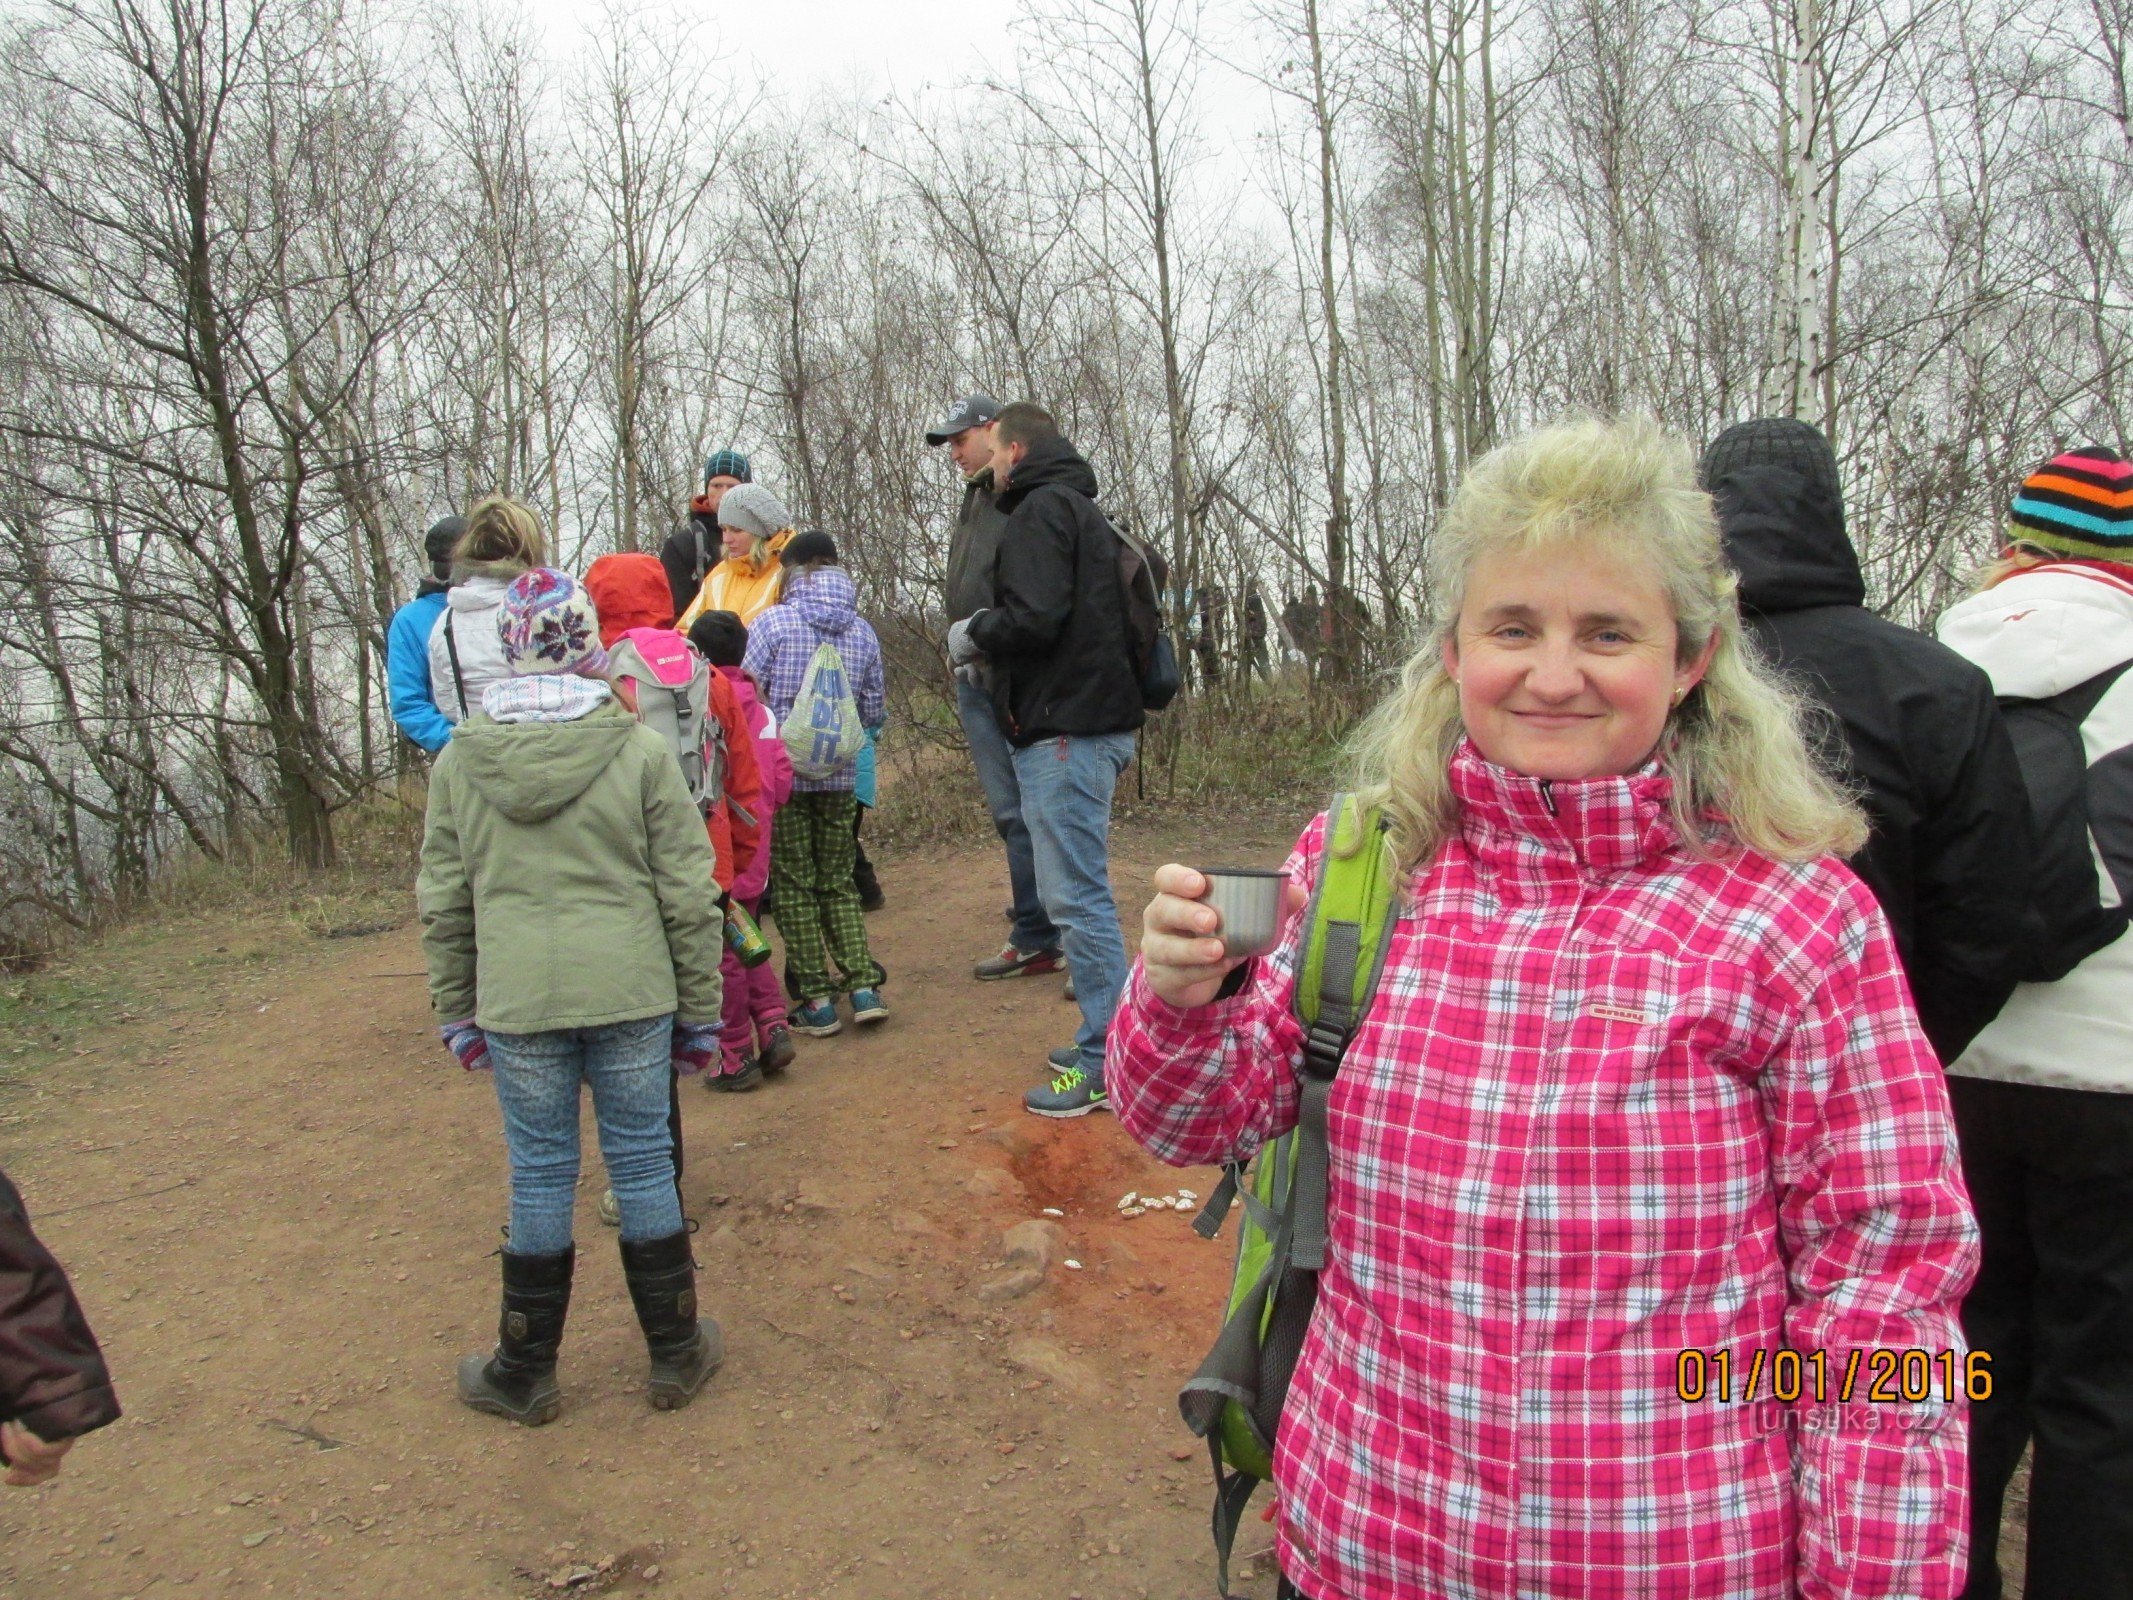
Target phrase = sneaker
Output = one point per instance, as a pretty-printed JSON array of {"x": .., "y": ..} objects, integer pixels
[
  {"x": 778, "y": 1052},
  {"x": 611, "y": 1209},
  {"x": 750, "y": 1076},
  {"x": 867, "y": 1006},
  {"x": 1013, "y": 963},
  {"x": 1065, "y": 1057},
  {"x": 1074, "y": 1093},
  {"x": 817, "y": 1019}
]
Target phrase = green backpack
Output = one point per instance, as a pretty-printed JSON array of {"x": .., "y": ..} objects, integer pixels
[{"x": 1234, "y": 1401}]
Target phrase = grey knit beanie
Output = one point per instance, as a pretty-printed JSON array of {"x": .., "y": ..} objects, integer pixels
[{"x": 754, "y": 510}]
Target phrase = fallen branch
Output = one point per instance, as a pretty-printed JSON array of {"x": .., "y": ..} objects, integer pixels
[{"x": 119, "y": 1199}]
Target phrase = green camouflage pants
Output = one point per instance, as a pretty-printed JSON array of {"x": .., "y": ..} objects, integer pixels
[{"x": 811, "y": 849}]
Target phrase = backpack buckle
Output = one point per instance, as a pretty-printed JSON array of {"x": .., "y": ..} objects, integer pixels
[{"x": 1323, "y": 1043}]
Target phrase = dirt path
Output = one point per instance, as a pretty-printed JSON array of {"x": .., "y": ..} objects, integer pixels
[{"x": 277, "y": 1197}]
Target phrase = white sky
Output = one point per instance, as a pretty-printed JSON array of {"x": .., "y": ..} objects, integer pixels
[{"x": 797, "y": 45}]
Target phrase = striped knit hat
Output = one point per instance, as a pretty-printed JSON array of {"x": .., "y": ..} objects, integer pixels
[
  {"x": 728, "y": 464},
  {"x": 2079, "y": 503}
]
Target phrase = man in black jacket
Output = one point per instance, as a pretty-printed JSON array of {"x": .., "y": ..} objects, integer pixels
[
  {"x": 1921, "y": 735},
  {"x": 1054, "y": 642},
  {"x": 693, "y": 548},
  {"x": 1032, "y": 946}
]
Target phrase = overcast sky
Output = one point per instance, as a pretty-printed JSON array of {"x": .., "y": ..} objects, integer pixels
[{"x": 799, "y": 44}]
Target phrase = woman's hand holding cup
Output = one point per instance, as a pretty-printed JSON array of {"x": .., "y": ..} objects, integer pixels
[{"x": 1183, "y": 953}]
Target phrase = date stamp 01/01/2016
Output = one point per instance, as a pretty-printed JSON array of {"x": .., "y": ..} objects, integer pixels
[{"x": 1873, "y": 1377}]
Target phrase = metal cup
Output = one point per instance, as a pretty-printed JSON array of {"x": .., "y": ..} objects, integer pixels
[{"x": 1249, "y": 902}]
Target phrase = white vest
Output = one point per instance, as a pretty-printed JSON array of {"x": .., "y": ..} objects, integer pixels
[{"x": 470, "y": 609}]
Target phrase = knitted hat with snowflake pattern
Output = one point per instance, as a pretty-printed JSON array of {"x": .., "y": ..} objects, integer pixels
[{"x": 548, "y": 623}]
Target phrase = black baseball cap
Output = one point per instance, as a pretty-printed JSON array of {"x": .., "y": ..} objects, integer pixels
[{"x": 972, "y": 411}]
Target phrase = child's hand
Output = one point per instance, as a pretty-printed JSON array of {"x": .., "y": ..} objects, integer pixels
[
  {"x": 695, "y": 1047},
  {"x": 466, "y": 1041},
  {"x": 1181, "y": 957}
]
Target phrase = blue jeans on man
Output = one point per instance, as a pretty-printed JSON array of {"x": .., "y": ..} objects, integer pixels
[
  {"x": 1066, "y": 785},
  {"x": 995, "y": 761}
]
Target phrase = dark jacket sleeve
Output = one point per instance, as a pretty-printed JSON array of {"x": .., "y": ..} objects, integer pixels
[
  {"x": 1976, "y": 856},
  {"x": 1033, "y": 590},
  {"x": 52, "y": 1376},
  {"x": 678, "y": 557}
]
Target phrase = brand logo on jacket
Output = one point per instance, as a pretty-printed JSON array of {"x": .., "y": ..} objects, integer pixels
[{"x": 1613, "y": 1013}]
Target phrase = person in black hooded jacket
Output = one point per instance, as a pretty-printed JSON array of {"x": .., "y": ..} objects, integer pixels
[
  {"x": 1054, "y": 643},
  {"x": 1921, "y": 735}
]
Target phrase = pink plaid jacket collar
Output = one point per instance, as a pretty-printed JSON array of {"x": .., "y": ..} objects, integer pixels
[{"x": 1522, "y": 825}]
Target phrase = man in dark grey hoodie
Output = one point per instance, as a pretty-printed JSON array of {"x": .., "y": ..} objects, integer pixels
[{"x": 1033, "y": 943}]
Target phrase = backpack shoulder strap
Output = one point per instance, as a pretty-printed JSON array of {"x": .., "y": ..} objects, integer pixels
[
  {"x": 2081, "y": 701},
  {"x": 1347, "y": 931},
  {"x": 451, "y": 648}
]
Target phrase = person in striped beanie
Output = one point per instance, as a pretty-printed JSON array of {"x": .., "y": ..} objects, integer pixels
[
  {"x": 2043, "y": 1096},
  {"x": 2078, "y": 504}
]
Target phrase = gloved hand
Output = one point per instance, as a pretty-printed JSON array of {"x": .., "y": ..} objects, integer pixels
[
  {"x": 695, "y": 1047},
  {"x": 962, "y": 649},
  {"x": 978, "y": 674},
  {"x": 466, "y": 1041}
]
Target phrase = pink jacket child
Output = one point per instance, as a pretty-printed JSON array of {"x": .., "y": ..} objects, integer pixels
[{"x": 755, "y": 1007}]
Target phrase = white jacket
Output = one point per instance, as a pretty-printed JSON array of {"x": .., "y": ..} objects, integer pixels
[
  {"x": 470, "y": 608},
  {"x": 2039, "y": 634}
]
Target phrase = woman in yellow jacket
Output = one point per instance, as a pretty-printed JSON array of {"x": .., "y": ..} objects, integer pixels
[{"x": 754, "y": 526}]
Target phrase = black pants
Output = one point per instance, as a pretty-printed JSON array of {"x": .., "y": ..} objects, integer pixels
[
  {"x": 863, "y": 876},
  {"x": 2051, "y": 1173},
  {"x": 674, "y": 1126}
]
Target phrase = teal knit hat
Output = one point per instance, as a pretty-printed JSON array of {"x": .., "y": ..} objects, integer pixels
[{"x": 728, "y": 464}]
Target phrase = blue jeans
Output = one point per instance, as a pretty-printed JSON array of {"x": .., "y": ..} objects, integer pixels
[
  {"x": 995, "y": 759},
  {"x": 537, "y": 1077},
  {"x": 1066, "y": 788}
]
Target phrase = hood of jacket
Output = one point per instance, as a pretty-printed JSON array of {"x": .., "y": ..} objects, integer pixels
[
  {"x": 2044, "y": 631},
  {"x": 629, "y": 591},
  {"x": 826, "y": 597},
  {"x": 1784, "y": 534},
  {"x": 478, "y": 589},
  {"x": 1049, "y": 461},
  {"x": 531, "y": 770}
]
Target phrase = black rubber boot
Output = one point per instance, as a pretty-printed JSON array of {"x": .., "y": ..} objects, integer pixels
[
  {"x": 685, "y": 1351},
  {"x": 517, "y": 1380}
]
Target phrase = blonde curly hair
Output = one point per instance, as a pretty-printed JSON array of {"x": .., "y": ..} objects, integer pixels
[{"x": 1736, "y": 746}]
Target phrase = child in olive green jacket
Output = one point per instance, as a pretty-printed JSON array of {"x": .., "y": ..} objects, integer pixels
[{"x": 572, "y": 931}]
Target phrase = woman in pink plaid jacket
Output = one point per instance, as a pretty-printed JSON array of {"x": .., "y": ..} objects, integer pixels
[{"x": 1641, "y": 1103}]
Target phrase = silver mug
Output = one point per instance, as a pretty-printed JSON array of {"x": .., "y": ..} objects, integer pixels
[{"x": 1250, "y": 903}]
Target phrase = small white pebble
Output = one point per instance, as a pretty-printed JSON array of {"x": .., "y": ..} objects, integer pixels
[
  {"x": 1073, "y": 1264},
  {"x": 1133, "y": 1211},
  {"x": 1127, "y": 1199},
  {"x": 1053, "y": 1211}
]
